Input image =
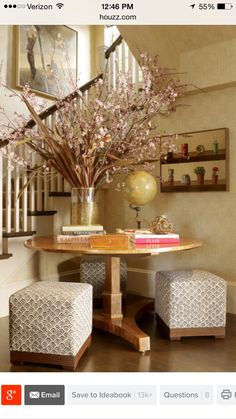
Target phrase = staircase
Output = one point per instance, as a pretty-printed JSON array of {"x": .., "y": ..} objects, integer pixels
[{"x": 17, "y": 214}]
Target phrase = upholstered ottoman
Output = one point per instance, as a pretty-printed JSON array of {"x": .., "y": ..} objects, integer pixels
[
  {"x": 191, "y": 303},
  {"x": 51, "y": 323},
  {"x": 92, "y": 271}
]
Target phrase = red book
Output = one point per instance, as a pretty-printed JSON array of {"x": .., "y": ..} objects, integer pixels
[{"x": 155, "y": 241}]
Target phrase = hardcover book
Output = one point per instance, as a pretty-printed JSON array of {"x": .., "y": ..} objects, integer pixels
[
  {"x": 67, "y": 238},
  {"x": 157, "y": 241},
  {"x": 137, "y": 235},
  {"x": 78, "y": 227}
]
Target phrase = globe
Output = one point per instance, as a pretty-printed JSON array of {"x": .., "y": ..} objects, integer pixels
[{"x": 140, "y": 188}]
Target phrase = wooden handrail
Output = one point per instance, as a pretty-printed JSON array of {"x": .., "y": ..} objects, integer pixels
[
  {"x": 113, "y": 46},
  {"x": 53, "y": 108}
]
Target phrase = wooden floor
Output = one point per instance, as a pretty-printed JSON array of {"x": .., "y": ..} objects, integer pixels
[{"x": 109, "y": 353}]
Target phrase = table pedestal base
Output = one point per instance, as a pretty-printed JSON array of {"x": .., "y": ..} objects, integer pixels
[{"x": 127, "y": 328}]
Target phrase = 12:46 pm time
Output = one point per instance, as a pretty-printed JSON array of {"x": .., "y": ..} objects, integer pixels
[{"x": 117, "y": 6}]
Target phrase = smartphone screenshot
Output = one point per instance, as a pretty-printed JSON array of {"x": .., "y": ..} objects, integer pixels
[{"x": 117, "y": 209}]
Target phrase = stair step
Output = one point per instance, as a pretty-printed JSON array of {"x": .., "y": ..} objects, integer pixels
[
  {"x": 18, "y": 234},
  {"x": 59, "y": 194},
  {"x": 37, "y": 213},
  {"x": 6, "y": 256}
]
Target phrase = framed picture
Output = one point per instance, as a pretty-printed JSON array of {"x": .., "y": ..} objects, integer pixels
[{"x": 46, "y": 59}]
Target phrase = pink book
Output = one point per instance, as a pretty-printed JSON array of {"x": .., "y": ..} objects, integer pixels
[{"x": 156, "y": 241}]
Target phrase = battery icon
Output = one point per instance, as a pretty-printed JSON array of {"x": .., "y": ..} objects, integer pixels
[{"x": 224, "y": 6}]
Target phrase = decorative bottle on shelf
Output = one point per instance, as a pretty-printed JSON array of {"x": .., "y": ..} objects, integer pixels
[
  {"x": 184, "y": 149},
  {"x": 186, "y": 180},
  {"x": 215, "y": 146}
]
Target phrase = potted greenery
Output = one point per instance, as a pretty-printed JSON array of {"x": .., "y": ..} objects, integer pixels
[
  {"x": 214, "y": 177},
  {"x": 200, "y": 172}
]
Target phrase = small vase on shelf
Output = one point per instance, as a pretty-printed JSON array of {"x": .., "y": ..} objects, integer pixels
[
  {"x": 214, "y": 177},
  {"x": 170, "y": 177},
  {"x": 200, "y": 178}
]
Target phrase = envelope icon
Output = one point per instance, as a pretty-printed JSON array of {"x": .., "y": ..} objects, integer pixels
[{"x": 34, "y": 395}]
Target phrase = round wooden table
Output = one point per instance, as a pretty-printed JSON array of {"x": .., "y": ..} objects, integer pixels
[{"x": 111, "y": 318}]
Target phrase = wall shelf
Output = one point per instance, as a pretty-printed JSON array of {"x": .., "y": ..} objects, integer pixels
[
  {"x": 182, "y": 168},
  {"x": 196, "y": 157},
  {"x": 194, "y": 187}
]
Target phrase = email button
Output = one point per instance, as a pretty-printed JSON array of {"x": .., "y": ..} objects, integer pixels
[{"x": 44, "y": 395}]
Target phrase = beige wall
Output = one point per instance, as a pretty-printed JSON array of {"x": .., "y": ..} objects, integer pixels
[{"x": 209, "y": 216}]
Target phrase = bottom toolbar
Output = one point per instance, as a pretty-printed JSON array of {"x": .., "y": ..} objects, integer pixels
[{"x": 116, "y": 395}]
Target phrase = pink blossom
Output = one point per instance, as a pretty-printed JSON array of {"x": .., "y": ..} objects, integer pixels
[{"x": 113, "y": 131}]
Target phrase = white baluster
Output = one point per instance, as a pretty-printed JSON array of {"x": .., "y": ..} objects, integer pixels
[
  {"x": 108, "y": 73},
  {"x": 67, "y": 187},
  {"x": 46, "y": 191},
  {"x": 55, "y": 179},
  {"x": 45, "y": 180},
  {"x": 1, "y": 201},
  {"x": 124, "y": 57},
  {"x": 118, "y": 61},
  {"x": 59, "y": 183},
  {"x": 32, "y": 184},
  {"x": 8, "y": 193},
  {"x": 32, "y": 190},
  {"x": 16, "y": 199},
  {"x": 39, "y": 186},
  {"x": 137, "y": 73},
  {"x": 24, "y": 193},
  {"x": 132, "y": 66},
  {"x": 112, "y": 69},
  {"x": 53, "y": 176}
]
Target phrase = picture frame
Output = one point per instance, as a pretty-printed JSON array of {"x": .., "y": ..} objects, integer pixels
[{"x": 46, "y": 59}]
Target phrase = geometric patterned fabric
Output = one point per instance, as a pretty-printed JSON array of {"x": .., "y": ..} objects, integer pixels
[
  {"x": 92, "y": 271},
  {"x": 187, "y": 299},
  {"x": 51, "y": 318}
]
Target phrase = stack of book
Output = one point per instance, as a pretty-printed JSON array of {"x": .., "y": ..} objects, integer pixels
[
  {"x": 143, "y": 238},
  {"x": 79, "y": 233}
]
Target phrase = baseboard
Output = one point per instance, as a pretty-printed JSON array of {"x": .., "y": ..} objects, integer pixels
[
  {"x": 7, "y": 289},
  {"x": 142, "y": 282},
  {"x": 231, "y": 297},
  {"x": 139, "y": 282},
  {"x": 62, "y": 275}
]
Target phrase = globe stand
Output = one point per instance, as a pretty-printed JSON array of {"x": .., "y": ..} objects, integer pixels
[{"x": 137, "y": 216}]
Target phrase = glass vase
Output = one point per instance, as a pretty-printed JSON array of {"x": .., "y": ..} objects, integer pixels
[{"x": 84, "y": 206}]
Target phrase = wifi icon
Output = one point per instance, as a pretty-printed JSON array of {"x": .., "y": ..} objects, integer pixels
[{"x": 59, "y": 5}]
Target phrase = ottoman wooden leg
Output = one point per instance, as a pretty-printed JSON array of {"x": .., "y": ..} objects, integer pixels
[
  {"x": 175, "y": 338},
  {"x": 175, "y": 335},
  {"x": 68, "y": 363}
]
